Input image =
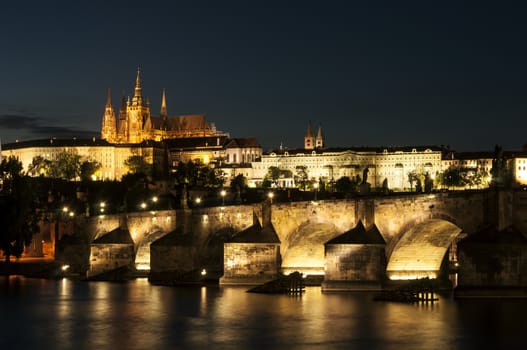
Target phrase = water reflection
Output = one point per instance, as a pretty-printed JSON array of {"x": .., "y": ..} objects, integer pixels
[{"x": 136, "y": 315}]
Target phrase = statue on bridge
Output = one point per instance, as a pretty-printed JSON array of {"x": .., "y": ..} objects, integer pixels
[{"x": 365, "y": 187}]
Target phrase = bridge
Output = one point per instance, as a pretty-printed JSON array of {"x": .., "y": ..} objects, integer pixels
[{"x": 418, "y": 229}]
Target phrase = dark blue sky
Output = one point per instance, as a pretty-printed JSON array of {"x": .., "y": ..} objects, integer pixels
[{"x": 373, "y": 73}]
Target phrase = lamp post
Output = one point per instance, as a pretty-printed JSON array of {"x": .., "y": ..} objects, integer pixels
[
  {"x": 316, "y": 190},
  {"x": 223, "y": 193},
  {"x": 102, "y": 208},
  {"x": 270, "y": 195},
  {"x": 198, "y": 201},
  {"x": 62, "y": 215}
]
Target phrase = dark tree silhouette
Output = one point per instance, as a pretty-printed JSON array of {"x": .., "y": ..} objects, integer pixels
[{"x": 18, "y": 209}]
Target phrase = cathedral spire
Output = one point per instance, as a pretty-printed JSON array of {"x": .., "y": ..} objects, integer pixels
[
  {"x": 108, "y": 128},
  {"x": 309, "y": 140},
  {"x": 109, "y": 99},
  {"x": 137, "y": 100},
  {"x": 319, "y": 141},
  {"x": 163, "y": 104},
  {"x": 309, "y": 132}
]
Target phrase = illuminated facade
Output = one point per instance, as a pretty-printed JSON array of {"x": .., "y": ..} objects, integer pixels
[
  {"x": 134, "y": 131},
  {"x": 136, "y": 124},
  {"x": 392, "y": 164},
  {"x": 112, "y": 157}
]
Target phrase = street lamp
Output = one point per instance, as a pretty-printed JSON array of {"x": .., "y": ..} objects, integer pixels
[
  {"x": 270, "y": 195},
  {"x": 62, "y": 215},
  {"x": 223, "y": 193},
  {"x": 102, "y": 207},
  {"x": 143, "y": 205},
  {"x": 198, "y": 201},
  {"x": 316, "y": 190}
]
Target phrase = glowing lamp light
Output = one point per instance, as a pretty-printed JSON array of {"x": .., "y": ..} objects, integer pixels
[
  {"x": 154, "y": 199},
  {"x": 65, "y": 267},
  {"x": 223, "y": 193},
  {"x": 71, "y": 214},
  {"x": 203, "y": 272},
  {"x": 143, "y": 205}
]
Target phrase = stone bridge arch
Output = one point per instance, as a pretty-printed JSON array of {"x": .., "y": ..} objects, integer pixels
[
  {"x": 142, "y": 255},
  {"x": 304, "y": 249},
  {"x": 421, "y": 249}
]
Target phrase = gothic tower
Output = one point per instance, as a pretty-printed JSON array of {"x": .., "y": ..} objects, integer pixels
[
  {"x": 164, "y": 115},
  {"x": 319, "y": 140},
  {"x": 309, "y": 140},
  {"x": 137, "y": 111},
  {"x": 121, "y": 126},
  {"x": 108, "y": 128}
]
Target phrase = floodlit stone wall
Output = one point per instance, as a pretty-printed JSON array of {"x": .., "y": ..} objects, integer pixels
[
  {"x": 250, "y": 262},
  {"x": 304, "y": 227},
  {"x": 107, "y": 257},
  {"x": 355, "y": 262}
]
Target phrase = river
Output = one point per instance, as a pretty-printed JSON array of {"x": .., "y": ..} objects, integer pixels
[{"x": 66, "y": 314}]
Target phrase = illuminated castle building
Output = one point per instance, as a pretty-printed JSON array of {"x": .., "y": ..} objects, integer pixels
[
  {"x": 136, "y": 132},
  {"x": 136, "y": 124},
  {"x": 329, "y": 164}
]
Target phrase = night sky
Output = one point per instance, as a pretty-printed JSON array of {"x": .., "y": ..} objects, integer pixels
[{"x": 372, "y": 73}]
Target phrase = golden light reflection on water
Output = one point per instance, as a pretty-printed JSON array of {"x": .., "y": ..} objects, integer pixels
[{"x": 136, "y": 315}]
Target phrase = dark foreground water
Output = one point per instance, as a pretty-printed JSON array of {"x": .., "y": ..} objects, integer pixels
[{"x": 64, "y": 314}]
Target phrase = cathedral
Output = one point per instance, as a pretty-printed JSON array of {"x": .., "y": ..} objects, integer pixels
[{"x": 136, "y": 124}]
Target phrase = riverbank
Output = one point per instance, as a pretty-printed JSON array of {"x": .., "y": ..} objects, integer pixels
[{"x": 31, "y": 267}]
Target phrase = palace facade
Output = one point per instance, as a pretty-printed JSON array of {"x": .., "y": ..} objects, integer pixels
[{"x": 329, "y": 164}]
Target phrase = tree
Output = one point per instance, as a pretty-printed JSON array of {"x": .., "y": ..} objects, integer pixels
[
  {"x": 138, "y": 165},
  {"x": 347, "y": 185},
  {"x": 208, "y": 177},
  {"x": 452, "y": 177},
  {"x": 66, "y": 166},
  {"x": 18, "y": 209},
  {"x": 273, "y": 174},
  {"x": 39, "y": 166},
  {"x": 413, "y": 176},
  {"x": 88, "y": 168},
  {"x": 429, "y": 183},
  {"x": 238, "y": 184},
  {"x": 301, "y": 176}
]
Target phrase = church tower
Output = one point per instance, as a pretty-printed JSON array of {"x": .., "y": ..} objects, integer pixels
[
  {"x": 121, "y": 125},
  {"x": 108, "y": 128},
  {"x": 309, "y": 140},
  {"x": 319, "y": 140},
  {"x": 137, "y": 111},
  {"x": 163, "y": 114}
]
